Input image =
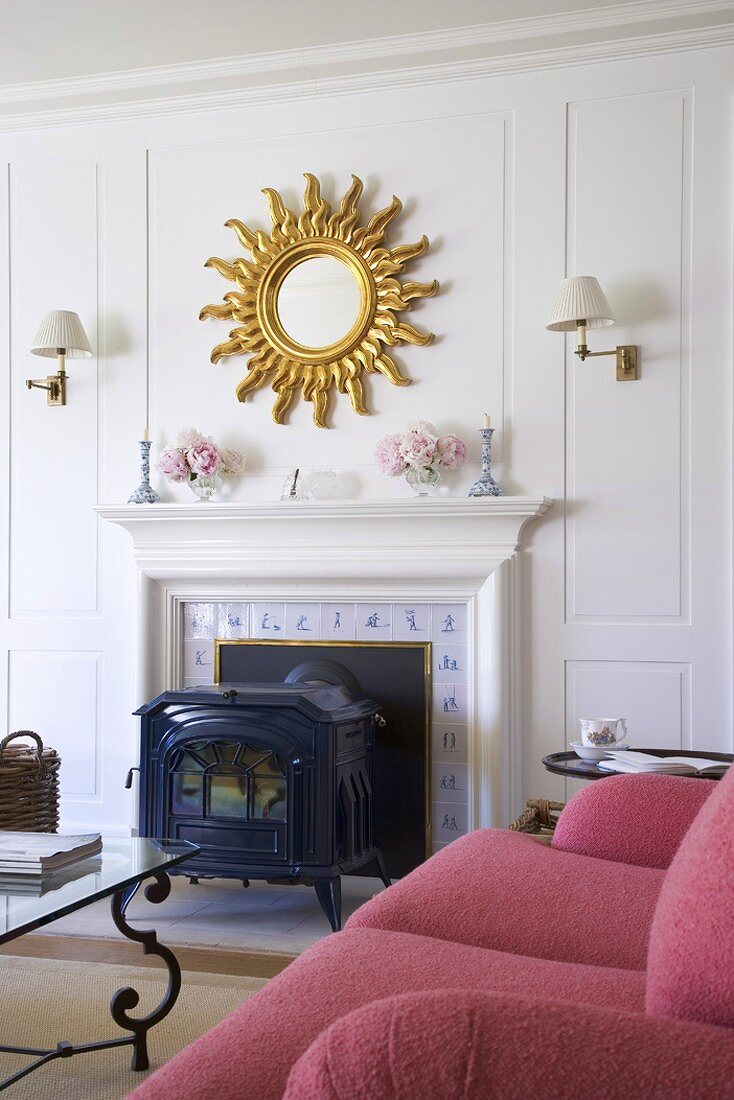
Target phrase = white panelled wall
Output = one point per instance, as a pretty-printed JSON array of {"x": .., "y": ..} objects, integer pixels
[{"x": 620, "y": 169}]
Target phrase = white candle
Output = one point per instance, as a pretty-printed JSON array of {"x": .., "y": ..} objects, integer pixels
[
  {"x": 486, "y": 422},
  {"x": 146, "y": 434}
]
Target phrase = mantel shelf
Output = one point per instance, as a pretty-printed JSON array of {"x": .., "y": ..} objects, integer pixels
[
  {"x": 354, "y": 539},
  {"x": 445, "y": 508}
]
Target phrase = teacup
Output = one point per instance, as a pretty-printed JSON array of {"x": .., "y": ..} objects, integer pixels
[{"x": 601, "y": 732}]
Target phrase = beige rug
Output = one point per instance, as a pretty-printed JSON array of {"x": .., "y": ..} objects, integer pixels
[{"x": 43, "y": 1001}]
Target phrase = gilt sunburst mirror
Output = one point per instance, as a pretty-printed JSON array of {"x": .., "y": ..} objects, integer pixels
[{"x": 283, "y": 348}]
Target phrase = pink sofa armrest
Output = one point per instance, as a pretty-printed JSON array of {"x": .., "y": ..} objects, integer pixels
[
  {"x": 455, "y": 1044},
  {"x": 638, "y": 819}
]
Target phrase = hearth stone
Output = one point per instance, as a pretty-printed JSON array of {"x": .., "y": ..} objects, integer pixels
[{"x": 274, "y": 781}]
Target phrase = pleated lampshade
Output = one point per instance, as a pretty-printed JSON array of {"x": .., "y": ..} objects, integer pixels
[
  {"x": 579, "y": 299},
  {"x": 61, "y": 328}
]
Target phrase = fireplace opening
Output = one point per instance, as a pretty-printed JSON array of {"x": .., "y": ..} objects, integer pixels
[{"x": 395, "y": 674}]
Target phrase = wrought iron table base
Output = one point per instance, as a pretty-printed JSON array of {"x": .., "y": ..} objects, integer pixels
[{"x": 124, "y": 999}]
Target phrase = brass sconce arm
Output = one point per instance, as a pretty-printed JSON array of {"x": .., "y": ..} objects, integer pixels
[
  {"x": 626, "y": 355},
  {"x": 54, "y": 384}
]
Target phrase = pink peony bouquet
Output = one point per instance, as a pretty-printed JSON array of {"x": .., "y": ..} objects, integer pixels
[
  {"x": 198, "y": 461},
  {"x": 420, "y": 454}
]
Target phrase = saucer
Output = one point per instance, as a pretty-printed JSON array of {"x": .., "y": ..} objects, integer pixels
[{"x": 594, "y": 752}]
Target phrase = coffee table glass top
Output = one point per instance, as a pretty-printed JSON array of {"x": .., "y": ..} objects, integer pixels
[{"x": 122, "y": 862}]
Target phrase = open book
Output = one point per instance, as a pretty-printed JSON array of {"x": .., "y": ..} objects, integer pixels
[
  {"x": 39, "y": 853},
  {"x": 633, "y": 762}
]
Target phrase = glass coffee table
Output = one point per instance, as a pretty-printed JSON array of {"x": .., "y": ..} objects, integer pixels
[{"x": 117, "y": 872}]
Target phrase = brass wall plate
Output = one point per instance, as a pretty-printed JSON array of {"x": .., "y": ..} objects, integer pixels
[
  {"x": 277, "y": 358},
  {"x": 627, "y": 363}
]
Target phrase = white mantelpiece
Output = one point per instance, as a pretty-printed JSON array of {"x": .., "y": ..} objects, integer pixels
[{"x": 434, "y": 550}]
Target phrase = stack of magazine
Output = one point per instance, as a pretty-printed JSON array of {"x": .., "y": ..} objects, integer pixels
[
  {"x": 634, "y": 762},
  {"x": 30, "y": 856}
]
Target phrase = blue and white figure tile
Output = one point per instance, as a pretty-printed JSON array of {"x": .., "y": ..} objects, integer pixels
[
  {"x": 303, "y": 622},
  {"x": 338, "y": 622},
  {"x": 449, "y": 624},
  {"x": 450, "y": 819},
  {"x": 199, "y": 658},
  {"x": 451, "y": 782},
  {"x": 411, "y": 622},
  {"x": 197, "y": 681},
  {"x": 374, "y": 622},
  {"x": 267, "y": 621},
  {"x": 448, "y": 743},
  {"x": 234, "y": 620},
  {"x": 450, "y": 702},
  {"x": 200, "y": 620},
  {"x": 449, "y": 662}
]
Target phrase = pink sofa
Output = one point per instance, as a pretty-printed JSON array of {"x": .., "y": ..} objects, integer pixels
[{"x": 600, "y": 967}]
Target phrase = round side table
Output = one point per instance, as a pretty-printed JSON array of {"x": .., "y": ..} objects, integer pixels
[{"x": 573, "y": 767}]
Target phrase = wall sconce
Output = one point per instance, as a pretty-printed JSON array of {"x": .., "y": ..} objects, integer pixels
[
  {"x": 581, "y": 304},
  {"x": 61, "y": 334}
]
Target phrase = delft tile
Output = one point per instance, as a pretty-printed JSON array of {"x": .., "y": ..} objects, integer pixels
[
  {"x": 449, "y": 662},
  {"x": 199, "y": 620},
  {"x": 449, "y": 821},
  {"x": 338, "y": 622},
  {"x": 303, "y": 621},
  {"x": 234, "y": 620},
  {"x": 450, "y": 782},
  {"x": 449, "y": 743},
  {"x": 449, "y": 623},
  {"x": 374, "y": 622},
  {"x": 449, "y": 702},
  {"x": 199, "y": 681},
  {"x": 268, "y": 620},
  {"x": 411, "y": 622},
  {"x": 198, "y": 657},
  {"x": 437, "y": 847}
]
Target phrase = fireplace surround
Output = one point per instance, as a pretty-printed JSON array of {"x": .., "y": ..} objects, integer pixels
[{"x": 440, "y": 550}]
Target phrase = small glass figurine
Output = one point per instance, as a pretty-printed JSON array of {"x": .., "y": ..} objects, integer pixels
[
  {"x": 145, "y": 493},
  {"x": 486, "y": 486}
]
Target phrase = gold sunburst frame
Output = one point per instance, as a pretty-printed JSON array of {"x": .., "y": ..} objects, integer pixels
[{"x": 274, "y": 355}]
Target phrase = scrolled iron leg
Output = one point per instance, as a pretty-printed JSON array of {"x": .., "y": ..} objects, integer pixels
[
  {"x": 329, "y": 893},
  {"x": 127, "y": 998}
]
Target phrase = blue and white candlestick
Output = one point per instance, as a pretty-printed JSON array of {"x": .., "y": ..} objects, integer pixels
[
  {"x": 145, "y": 493},
  {"x": 486, "y": 486}
]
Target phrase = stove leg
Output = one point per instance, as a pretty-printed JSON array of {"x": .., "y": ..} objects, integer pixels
[
  {"x": 329, "y": 893},
  {"x": 382, "y": 869}
]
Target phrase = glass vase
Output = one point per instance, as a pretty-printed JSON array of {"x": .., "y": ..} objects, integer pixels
[
  {"x": 422, "y": 479},
  {"x": 205, "y": 487}
]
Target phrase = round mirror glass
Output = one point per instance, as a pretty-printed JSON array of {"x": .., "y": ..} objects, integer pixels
[{"x": 318, "y": 302}]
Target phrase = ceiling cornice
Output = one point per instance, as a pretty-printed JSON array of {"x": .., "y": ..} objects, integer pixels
[{"x": 612, "y": 33}]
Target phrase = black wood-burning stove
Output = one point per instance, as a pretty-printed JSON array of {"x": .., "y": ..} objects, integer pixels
[{"x": 273, "y": 781}]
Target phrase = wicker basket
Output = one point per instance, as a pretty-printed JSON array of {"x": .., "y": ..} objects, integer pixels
[
  {"x": 539, "y": 819},
  {"x": 29, "y": 785}
]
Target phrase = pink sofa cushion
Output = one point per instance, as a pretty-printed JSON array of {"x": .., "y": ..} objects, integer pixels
[
  {"x": 503, "y": 890},
  {"x": 457, "y": 1044},
  {"x": 691, "y": 961},
  {"x": 638, "y": 819},
  {"x": 251, "y": 1053}
]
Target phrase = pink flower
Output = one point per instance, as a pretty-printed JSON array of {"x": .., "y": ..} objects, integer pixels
[
  {"x": 233, "y": 463},
  {"x": 204, "y": 458},
  {"x": 388, "y": 456},
  {"x": 422, "y": 427},
  {"x": 418, "y": 448},
  {"x": 187, "y": 437},
  {"x": 172, "y": 464},
  {"x": 452, "y": 451}
]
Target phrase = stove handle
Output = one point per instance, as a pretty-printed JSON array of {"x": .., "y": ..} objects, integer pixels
[
  {"x": 379, "y": 721},
  {"x": 129, "y": 780}
]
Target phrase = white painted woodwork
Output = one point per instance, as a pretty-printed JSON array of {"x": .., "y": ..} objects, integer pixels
[{"x": 522, "y": 166}]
